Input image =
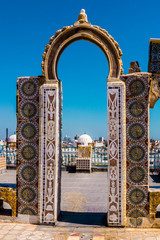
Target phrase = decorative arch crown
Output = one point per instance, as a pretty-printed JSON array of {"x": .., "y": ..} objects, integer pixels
[{"x": 81, "y": 30}]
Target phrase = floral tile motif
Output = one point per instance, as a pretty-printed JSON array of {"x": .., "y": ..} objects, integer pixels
[
  {"x": 28, "y": 144},
  {"x": 137, "y": 100}
]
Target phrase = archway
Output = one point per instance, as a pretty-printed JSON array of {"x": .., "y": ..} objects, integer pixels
[{"x": 50, "y": 118}]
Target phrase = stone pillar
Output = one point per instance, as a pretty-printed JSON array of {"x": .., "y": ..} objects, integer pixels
[
  {"x": 27, "y": 146},
  {"x": 137, "y": 129},
  {"x": 116, "y": 152},
  {"x": 49, "y": 152}
]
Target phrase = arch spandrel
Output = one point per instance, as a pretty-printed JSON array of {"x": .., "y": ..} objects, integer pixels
[{"x": 81, "y": 30}]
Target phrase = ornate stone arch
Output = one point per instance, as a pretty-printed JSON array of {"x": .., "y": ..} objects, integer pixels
[
  {"x": 81, "y": 30},
  {"x": 50, "y": 95}
]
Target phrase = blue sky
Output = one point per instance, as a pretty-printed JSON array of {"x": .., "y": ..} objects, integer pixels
[{"x": 26, "y": 27}]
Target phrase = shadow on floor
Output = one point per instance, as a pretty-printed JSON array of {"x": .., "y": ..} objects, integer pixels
[
  {"x": 83, "y": 218},
  {"x": 156, "y": 177},
  {"x": 5, "y": 212}
]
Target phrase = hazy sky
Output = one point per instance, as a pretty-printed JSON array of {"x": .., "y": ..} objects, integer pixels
[{"x": 26, "y": 27}]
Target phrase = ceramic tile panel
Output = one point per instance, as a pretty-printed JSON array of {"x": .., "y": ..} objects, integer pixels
[
  {"x": 137, "y": 133},
  {"x": 154, "y": 56},
  {"x": 28, "y": 144}
]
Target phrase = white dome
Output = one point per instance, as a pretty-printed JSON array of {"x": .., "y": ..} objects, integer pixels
[
  {"x": 1, "y": 142},
  {"x": 84, "y": 139},
  {"x": 12, "y": 139}
]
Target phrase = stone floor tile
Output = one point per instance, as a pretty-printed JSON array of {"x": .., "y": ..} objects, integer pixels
[
  {"x": 98, "y": 237},
  {"x": 86, "y": 236},
  {"x": 157, "y": 235},
  {"x": 61, "y": 236},
  {"x": 14, "y": 232},
  {"x": 22, "y": 237},
  {"x": 52, "y": 238},
  {"x": 33, "y": 238},
  {"x": 111, "y": 235},
  {"x": 49, "y": 234},
  {"x": 84, "y": 229},
  {"x": 10, "y": 237},
  {"x": 137, "y": 238},
  {"x": 7, "y": 227},
  {"x": 124, "y": 236},
  {"x": 73, "y": 238},
  {"x": 19, "y": 227},
  {"x": 26, "y": 232},
  {"x": 38, "y": 233},
  {"x": 75, "y": 234},
  {"x": 137, "y": 234},
  {"x": 47, "y": 230},
  {"x": 5, "y": 231},
  {"x": 150, "y": 238},
  {"x": 2, "y": 236},
  {"x": 66, "y": 229},
  {"x": 32, "y": 227},
  {"x": 110, "y": 230},
  {"x": 149, "y": 234},
  {"x": 98, "y": 230},
  {"x": 110, "y": 238}
]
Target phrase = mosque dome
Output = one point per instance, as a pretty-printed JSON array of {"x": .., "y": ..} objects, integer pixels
[
  {"x": 12, "y": 139},
  {"x": 84, "y": 139}
]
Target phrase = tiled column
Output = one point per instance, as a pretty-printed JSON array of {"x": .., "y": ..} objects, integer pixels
[
  {"x": 28, "y": 144},
  {"x": 116, "y": 152},
  {"x": 137, "y": 129},
  {"x": 49, "y": 151}
]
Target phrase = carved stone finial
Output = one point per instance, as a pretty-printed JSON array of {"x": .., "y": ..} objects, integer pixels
[
  {"x": 134, "y": 67},
  {"x": 82, "y": 16}
]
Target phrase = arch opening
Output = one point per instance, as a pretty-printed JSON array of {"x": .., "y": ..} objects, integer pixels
[
  {"x": 83, "y": 70},
  {"x": 79, "y": 39}
]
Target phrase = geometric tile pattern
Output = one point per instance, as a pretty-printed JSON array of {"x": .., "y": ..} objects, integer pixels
[
  {"x": 28, "y": 144},
  {"x": 137, "y": 146},
  {"x": 154, "y": 56},
  {"x": 49, "y": 153},
  {"x": 115, "y": 104}
]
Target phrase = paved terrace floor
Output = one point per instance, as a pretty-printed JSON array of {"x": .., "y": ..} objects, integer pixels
[
  {"x": 10, "y": 177},
  {"x": 14, "y": 231},
  {"x": 83, "y": 197}
]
